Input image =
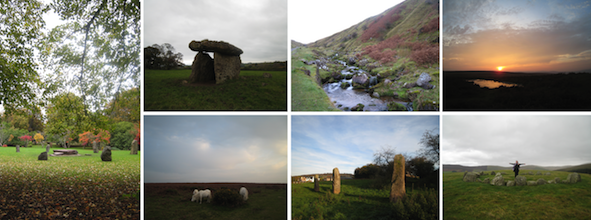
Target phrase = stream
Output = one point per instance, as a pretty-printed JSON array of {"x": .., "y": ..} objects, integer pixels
[{"x": 348, "y": 97}]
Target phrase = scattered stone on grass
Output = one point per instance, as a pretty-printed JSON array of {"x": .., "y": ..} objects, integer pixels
[
  {"x": 531, "y": 183},
  {"x": 510, "y": 183},
  {"x": 42, "y": 156},
  {"x": 470, "y": 177},
  {"x": 573, "y": 178},
  {"x": 106, "y": 155},
  {"x": 541, "y": 181},
  {"x": 336, "y": 181},
  {"x": 520, "y": 180}
]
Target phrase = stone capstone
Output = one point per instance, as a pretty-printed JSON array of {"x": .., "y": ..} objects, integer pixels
[
  {"x": 202, "y": 69},
  {"x": 215, "y": 46},
  {"x": 42, "y": 156},
  {"x": 336, "y": 181},
  {"x": 573, "y": 178},
  {"x": 106, "y": 155},
  {"x": 398, "y": 190},
  {"x": 520, "y": 180}
]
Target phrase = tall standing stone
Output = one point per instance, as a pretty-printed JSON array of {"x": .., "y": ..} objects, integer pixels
[
  {"x": 134, "y": 147},
  {"x": 202, "y": 69},
  {"x": 106, "y": 155},
  {"x": 226, "y": 67},
  {"x": 226, "y": 60},
  {"x": 47, "y": 148},
  {"x": 316, "y": 183},
  {"x": 336, "y": 181},
  {"x": 398, "y": 191},
  {"x": 18, "y": 148}
]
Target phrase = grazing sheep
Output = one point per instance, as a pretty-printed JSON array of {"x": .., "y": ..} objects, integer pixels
[
  {"x": 244, "y": 193},
  {"x": 200, "y": 194}
]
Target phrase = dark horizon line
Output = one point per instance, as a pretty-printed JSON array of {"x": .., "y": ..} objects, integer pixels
[
  {"x": 549, "y": 72},
  {"x": 213, "y": 183},
  {"x": 526, "y": 164}
]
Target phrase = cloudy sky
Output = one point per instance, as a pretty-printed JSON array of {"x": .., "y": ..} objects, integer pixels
[
  {"x": 321, "y": 143},
  {"x": 215, "y": 149},
  {"x": 258, "y": 27},
  {"x": 500, "y": 140},
  {"x": 528, "y": 36},
  {"x": 312, "y": 20}
]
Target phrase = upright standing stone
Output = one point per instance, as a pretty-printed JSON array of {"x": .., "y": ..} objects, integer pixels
[
  {"x": 106, "y": 155},
  {"x": 316, "y": 183},
  {"x": 398, "y": 191},
  {"x": 42, "y": 156},
  {"x": 202, "y": 69},
  {"x": 47, "y": 148},
  {"x": 134, "y": 147},
  {"x": 94, "y": 147},
  {"x": 226, "y": 67},
  {"x": 336, "y": 181}
]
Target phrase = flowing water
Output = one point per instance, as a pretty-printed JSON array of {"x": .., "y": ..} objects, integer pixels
[{"x": 349, "y": 97}]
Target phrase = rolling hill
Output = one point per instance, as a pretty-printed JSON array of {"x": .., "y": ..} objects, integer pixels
[{"x": 583, "y": 168}]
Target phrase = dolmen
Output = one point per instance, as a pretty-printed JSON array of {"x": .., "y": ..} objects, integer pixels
[{"x": 225, "y": 64}]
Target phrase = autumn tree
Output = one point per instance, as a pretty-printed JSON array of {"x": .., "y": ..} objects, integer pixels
[
  {"x": 38, "y": 138},
  {"x": 125, "y": 106},
  {"x": 66, "y": 118},
  {"x": 21, "y": 26},
  {"x": 26, "y": 139}
]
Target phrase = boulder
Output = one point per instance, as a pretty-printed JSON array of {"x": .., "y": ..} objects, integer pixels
[
  {"x": 556, "y": 180},
  {"x": 106, "y": 155},
  {"x": 470, "y": 177},
  {"x": 215, "y": 46},
  {"x": 336, "y": 181},
  {"x": 423, "y": 81},
  {"x": 361, "y": 79},
  {"x": 387, "y": 82},
  {"x": 226, "y": 67},
  {"x": 486, "y": 180},
  {"x": 551, "y": 182},
  {"x": 493, "y": 173},
  {"x": 531, "y": 183},
  {"x": 539, "y": 173},
  {"x": 498, "y": 180},
  {"x": 520, "y": 180},
  {"x": 503, "y": 173},
  {"x": 358, "y": 107},
  {"x": 42, "y": 156},
  {"x": 541, "y": 181},
  {"x": 510, "y": 183},
  {"x": 573, "y": 178},
  {"x": 398, "y": 190},
  {"x": 548, "y": 174},
  {"x": 202, "y": 69}
]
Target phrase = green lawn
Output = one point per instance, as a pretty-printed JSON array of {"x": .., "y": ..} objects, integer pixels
[
  {"x": 358, "y": 200},
  {"x": 68, "y": 186},
  {"x": 306, "y": 94},
  {"x": 475, "y": 200},
  {"x": 165, "y": 91},
  {"x": 264, "y": 202}
]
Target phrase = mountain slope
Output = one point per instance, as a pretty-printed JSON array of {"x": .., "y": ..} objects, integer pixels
[{"x": 396, "y": 47}]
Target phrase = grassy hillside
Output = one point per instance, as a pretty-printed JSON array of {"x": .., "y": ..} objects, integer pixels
[
  {"x": 397, "y": 45},
  {"x": 584, "y": 168},
  {"x": 475, "y": 200},
  {"x": 165, "y": 90}
]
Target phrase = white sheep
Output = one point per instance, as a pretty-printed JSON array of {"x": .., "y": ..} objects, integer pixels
[
  {"x": 200, "y": 195},
  {"x": 244, "y": 193}
]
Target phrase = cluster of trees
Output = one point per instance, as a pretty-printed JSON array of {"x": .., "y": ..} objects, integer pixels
[
  {"x": 422, "y": 166},
  {"x": 162, "y": 57},
  {"x": 80, "y": 76}
]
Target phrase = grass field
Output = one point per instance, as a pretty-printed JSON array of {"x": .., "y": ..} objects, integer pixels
[
  {"x": 306, "y": 94},
  {"x": 68, "y": 186},
  {"x": 475, "y": 200},
  {"x": 164, "y": 90},
  {"x": 358, "y": 200},
  {"x": 173, "y": 201}
]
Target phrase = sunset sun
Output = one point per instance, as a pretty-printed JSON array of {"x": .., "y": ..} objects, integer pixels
[{"x": 499, "y": 68}]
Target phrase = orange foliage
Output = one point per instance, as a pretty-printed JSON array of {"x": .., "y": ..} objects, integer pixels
[{"x": 103, "y": 135}]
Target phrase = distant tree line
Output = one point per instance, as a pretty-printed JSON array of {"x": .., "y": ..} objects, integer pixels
[
  {"x": 162, "y": 57},
  {"x": 269, "y": 66}
]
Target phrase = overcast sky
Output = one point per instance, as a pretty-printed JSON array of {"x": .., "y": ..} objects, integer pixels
[
  {"x": 500, "y": 140},
  {"x": 312, "y": 20},
  {"x": 543, "y": 35},
  {"x": 258, "y": 27},
  {"x": 321, "y": 143},
  {"x": 215, "y": 149}
]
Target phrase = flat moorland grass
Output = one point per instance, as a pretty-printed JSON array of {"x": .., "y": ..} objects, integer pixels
[
  {"x": 173, "y": 201},
  {"x": 358, "y": 200},
  {"x": 165, "y": 91},
  {"x": 82, "y": 187},
  {"x": 475, "y": 200}
]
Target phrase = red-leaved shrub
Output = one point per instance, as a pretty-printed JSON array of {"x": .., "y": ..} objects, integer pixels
[
  {"x": 433, "y": 25},
  {"x": 425, "y": 53},
  {"x": 381, "y": 24}
]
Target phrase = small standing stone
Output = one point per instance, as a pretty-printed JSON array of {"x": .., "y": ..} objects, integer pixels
[
  {"x": 47, "y": 148},
  {"x": 18, "y": 148},
  {"x": 520, "y": 180},
  {"x": 573, "y": 178},
  {"x": 316, "y": 183},
  {"x": 336, "y": 181},
  {"x": 398, "y": 191},
  {"x": 106, "y": 155},
  {"x": 134, "y": 147},
  {"x": 42, "y": 156},
  {"x": 95, "y": 147}
]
